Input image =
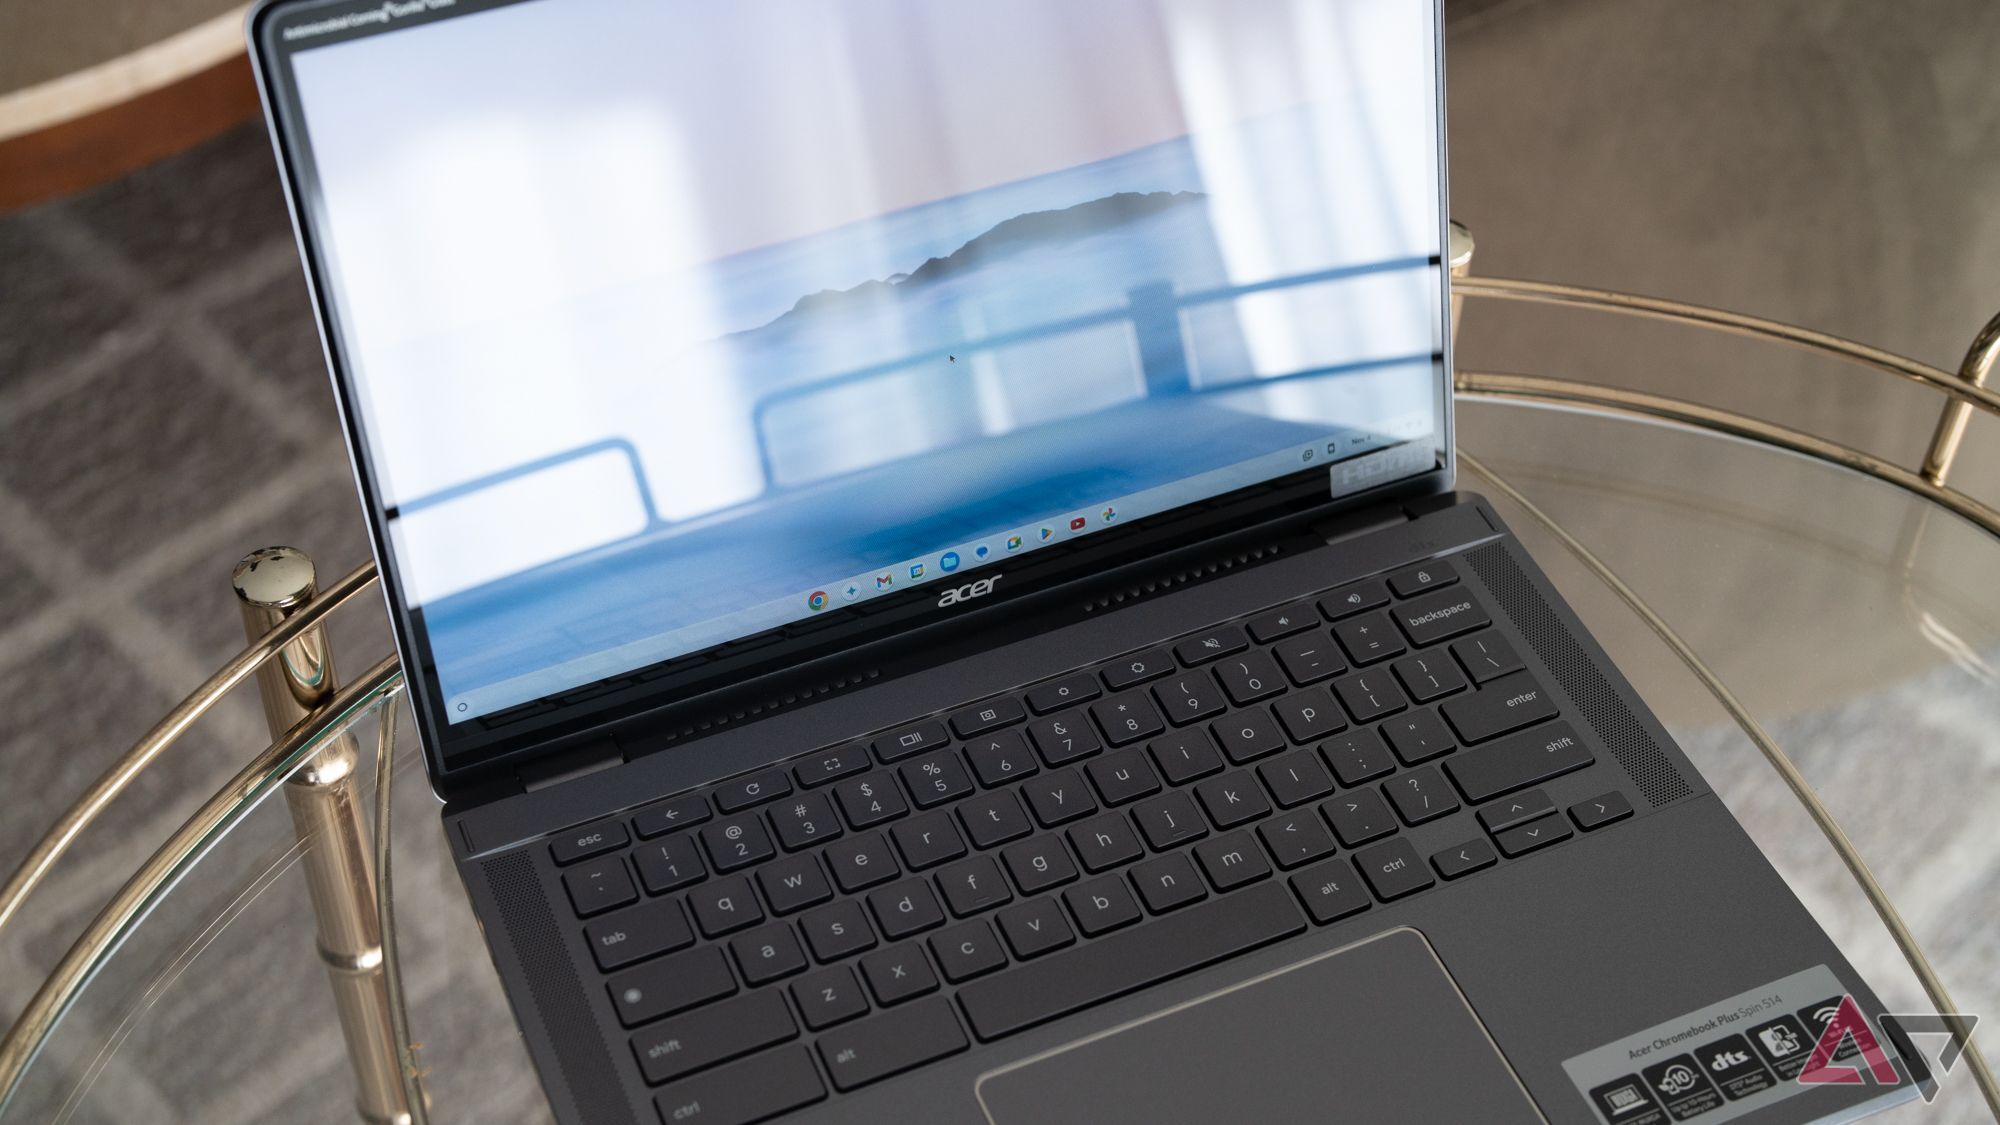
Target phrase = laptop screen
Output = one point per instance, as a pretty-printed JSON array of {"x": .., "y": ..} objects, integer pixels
[{"x": 668, "y": 323}]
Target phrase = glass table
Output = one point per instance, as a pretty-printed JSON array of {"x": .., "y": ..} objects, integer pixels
[{"x": 1782, "y": 610}]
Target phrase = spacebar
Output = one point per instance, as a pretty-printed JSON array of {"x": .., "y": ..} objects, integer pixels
[{"x": 1111, "y": 966}]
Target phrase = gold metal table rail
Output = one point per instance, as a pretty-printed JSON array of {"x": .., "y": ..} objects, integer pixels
[{"x": 321, "y": 720}]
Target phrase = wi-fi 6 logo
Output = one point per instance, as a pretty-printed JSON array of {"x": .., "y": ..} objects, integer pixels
[{"x": 969, "y": 591}]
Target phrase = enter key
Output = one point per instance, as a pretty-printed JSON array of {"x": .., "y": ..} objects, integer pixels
[{"x": 1509, "y": 703}]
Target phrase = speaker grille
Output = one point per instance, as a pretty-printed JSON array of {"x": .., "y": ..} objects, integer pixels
[
  {"x": 1183, "y": 577},
  {"x": 582, "y": 1059},
  {"x": 1579, "y": 676}
]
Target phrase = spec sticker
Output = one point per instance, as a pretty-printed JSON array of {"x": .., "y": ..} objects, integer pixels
[{"x": 1712, "y": 1064}]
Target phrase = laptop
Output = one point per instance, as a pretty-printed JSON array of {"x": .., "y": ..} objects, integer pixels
[{"x": 924, "y": 545}]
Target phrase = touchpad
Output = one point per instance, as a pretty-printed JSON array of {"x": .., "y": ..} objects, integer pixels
[{"x": 1375, "y": 1032}]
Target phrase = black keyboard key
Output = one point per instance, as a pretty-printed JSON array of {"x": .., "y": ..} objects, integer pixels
[
  {"x": 1104, "y": 842},
  {"x": 1000, "y": 758},
  {"x": 935, "y": 778},
  {"x": 600, "y": 885},
  {"x": 1487, "y": 656},
  {"x": 868, "y": 801},
  {"x": 1096, "y": 971},
  {"x": 735, "y": 796},
  {"x": 1371, "y": 593},
  {"x": 1531, "y": 805},
  {"x": 832, "y": 765},
  {"x": 1429, "y": 675},
  {"x": 1599, "y": 811},
  {"x": 1369, "y": 638},
  {"x": 1295, "y": 778},
  {"x": 973, "y": 885},
  {"x": 1169, "y": 820},
  {"x": 793, "y": 883},
  {"x": 1524, "y": 838},
  {"x": 1309, "y": 715},
  {"x": 890, "y": 1043},
  {"x": 1188, "y": 697},
  {"x": 1418, "y": 736},
  {"x": 1232, "y": 860},
  {"x": 1446, "y": 613},
  {"x": 928, "y": 735},
  {"x": 1421, "y": 795},
  {"x": 1039, "y": 864},
  {"x": 1296, "y": 838},
  {"x": 1250, "y": 677},
  {"x": 618, "y": 940},
  {"x": 928, "y": 840},
  {"x": 1035, "y": 927},
  {"x": 828, "y": 997},
  {"x": 1064, "y": 738},
  {"x": 1359, "y": 817},
  {"x": 836, "y": 931},
  {"x": 1370, "y": 695},
  {"x": 1357, "y": 758},
  {"x": 967, "y": 950},
  {"x": 1506, "y": 704},
  {"x": 1248, "y": 735},
  {"x": 905, "y": 908},
  {"x": 757, "y": 1088},
  {"x": 1168, "y": 882},
  {"x": 1525, "y": 759},
  {"x": 1138, "y": 668},
  {"x": 1309, "y": 658},
  {"x": 1413, "y": 580},
  {"x": 804, "y": 822},
  {"x": 994, "y": 819},
  {"x": 670, "y": 984},
  {"x": 592, "y": 839},
  {"x": 725, "y": 906},
  {"x": 701, "y": 1039},
  {"x": 859, "y": 862},
  {"x": 990, "y": 715},
  {"x": 1059, "y": 797},
  {"x": 1127, "y": 717},
  {"x": 1213, "y": 644},
  {"x": 1282, "y": 622},
  {"x": 1331, "y": 891},
  {"x": 1393, "y": 870},
  {"x": 1185, "y": 755},
  {"x": 669, "y": 864},
  {"x": 737, "y": 841},
  {"x": 1066, "y": 692},
  {"x": 1101, "y": 905},
  {"x": 1124, "y": 776},
  {"x": 767, "y": 953},
  {"x": 680, "y": 812},
  {"x": 897, "y": 973},
  {"x": 1233, "y": 799},
  {"x": 1473, "y": 855}
]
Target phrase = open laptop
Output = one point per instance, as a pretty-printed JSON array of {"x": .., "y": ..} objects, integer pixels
[{"x": 922, "y": 539}]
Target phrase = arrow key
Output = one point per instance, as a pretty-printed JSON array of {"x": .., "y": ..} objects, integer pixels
[
  {"x": 1464, "y": 859},
  {"x": 1518, "y": 809},
  {"x": 1600, "y": 811},
  {"x": 1524, "y": 838}
]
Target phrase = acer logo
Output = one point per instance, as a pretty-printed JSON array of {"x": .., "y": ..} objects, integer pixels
[{"x": 969, "y": 591}]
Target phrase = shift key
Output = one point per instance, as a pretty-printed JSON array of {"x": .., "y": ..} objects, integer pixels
[
  {"x": 1528, "y": 758},
  {"x": 1508, "y": 703}
]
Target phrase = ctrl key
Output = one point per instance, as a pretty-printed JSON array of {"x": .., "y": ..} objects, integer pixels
[{"x": 743, "y": 1092}]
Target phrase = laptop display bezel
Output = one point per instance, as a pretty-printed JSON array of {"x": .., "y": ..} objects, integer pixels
[{"x": 481, "y": 747}]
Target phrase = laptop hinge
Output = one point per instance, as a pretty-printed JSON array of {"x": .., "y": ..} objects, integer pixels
[{"x": 591, "y": 757}]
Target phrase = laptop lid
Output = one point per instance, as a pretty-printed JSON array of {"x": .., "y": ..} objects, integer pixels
[{"x": 679, "y": 342}]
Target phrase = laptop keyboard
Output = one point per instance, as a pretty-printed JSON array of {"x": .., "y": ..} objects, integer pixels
[{"x": 884, "y": 903}]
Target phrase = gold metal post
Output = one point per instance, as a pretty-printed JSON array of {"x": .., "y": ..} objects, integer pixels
[
  {"x": 1978, "y": 364},
  {"x": 271, "y": 584},
  {"x": 1458, "y": 256}
]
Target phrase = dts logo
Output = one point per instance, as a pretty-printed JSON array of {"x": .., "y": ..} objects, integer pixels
[{"x": 969, "y": 591}]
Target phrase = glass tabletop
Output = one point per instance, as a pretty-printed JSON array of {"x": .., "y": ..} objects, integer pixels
[{"x": 1859, "y": 626}]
